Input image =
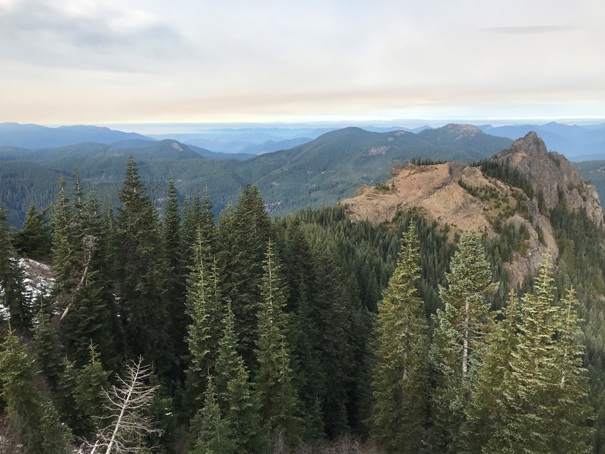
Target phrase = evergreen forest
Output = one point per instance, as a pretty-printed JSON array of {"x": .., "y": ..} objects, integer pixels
[{"x": 176, "y": 330}]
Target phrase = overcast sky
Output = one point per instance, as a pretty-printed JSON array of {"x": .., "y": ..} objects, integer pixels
[{"x": 114, "y": 61}]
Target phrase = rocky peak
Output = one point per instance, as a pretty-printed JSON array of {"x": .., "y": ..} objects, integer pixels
[{"x": 552, "y": 174}]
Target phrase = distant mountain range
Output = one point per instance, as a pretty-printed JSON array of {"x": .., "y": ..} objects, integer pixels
[
  {"x": 315, "y": 173},
  {"x": 35, "y": 136},
  {"x": 576, "y": 142}
]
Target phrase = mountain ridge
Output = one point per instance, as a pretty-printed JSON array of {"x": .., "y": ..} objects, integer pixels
[{"x": 464, "y": 198}]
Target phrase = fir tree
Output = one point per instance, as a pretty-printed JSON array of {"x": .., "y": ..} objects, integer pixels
[
  {"x": 244, "y": 236},
  {"x": 13, "y": 295},
  {"x": 459, "y": 337},
  {"x": 34, "y": 239},
  {"x": 141, "y": 273},
  {"x": 235, "y": 396},
  {"x": 400, "y": 377},
  {"x": 204, "y": 307},
  {"x": 273, "y": 381},
  {"x": 490, "y": 414},
  {"x": 32, "y": 418},
  {"x": 214, "y": 435},
  {"x": 175, "y": 284}
]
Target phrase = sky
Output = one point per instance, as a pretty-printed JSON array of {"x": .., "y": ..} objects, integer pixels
[{"x": 200, "y": 61}]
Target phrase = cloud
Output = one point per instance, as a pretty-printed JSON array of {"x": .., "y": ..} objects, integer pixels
[
  {"x": 530, "y": 30},
  {"x": 84, "y": 34}
]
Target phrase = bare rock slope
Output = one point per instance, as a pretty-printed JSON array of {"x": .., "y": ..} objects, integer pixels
[{"x": 464, "y": 198}]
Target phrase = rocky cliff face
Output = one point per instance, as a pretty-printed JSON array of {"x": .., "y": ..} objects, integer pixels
[
  {"x": 467, "y": 200},
  {"x": 553, "y": 175}
]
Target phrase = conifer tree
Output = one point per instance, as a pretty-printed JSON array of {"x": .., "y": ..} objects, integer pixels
[
  {"x": 13, "y": 295},
  {"x": 175, "y": 274},
  {"x": 273, "y": 381},
  {"x": 83, "y": 284},
  {"x": 198, "y": 215},
  {"x": 205, "y": 309},
  {"x": 400, "y": 377},
  {"x": 91, "y": 382},
  {"x": 34, "y": 240},
  {"x": 47, "y": 347},
  {"x": 238, "y": 402},
  {"x": 32, "y": 418},
  {"x": 491, "y": 413},
  {"x": 214, "y": 434},
  {"x": 140, "y": 273},
  {"x": 532, "y": 389},
  {"x": 458, "y": 339},
  {"x": 244, "y": 237}
]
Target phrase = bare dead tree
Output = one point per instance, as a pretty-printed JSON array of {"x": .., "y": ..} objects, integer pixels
[{"x": 127, "y": 402}]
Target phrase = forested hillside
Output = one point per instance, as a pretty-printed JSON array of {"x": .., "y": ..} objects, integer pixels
[
  {"x": 313, "y": 174},
  {"x": 243, "y": 333}
]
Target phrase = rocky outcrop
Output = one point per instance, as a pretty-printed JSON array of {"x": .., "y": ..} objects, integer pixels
[
  {"x": 462, "y": 197},
  {"x": 552, "y": 174},
  {"x": 433, "y": 189}
]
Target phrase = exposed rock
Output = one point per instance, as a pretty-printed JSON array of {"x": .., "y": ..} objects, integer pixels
[
  {"x": 439, "y": 191},
  {"x": 552, "y": 173}
]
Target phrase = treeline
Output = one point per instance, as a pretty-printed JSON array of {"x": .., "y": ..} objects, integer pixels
[{"x": 265, "y": 335}]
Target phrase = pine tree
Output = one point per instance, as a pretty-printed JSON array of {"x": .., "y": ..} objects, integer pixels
[
  {"x": 32, "y": 418},
  {"x": 47, "y": 347},
  {"x": 205, "y": 309},
  {"x": 273, "y": 381},
  {"x": 214, "y": 435},
  {"x": 459, "y": 337},
  {"x": 571, "y": 430},
  {"x": 34, "y": 240},
  {"x": 334, "y": 311},
  {"x": 140, "y": 273},
  {"x": 13, "y": 295},
  {"x": 532, "y": 389},
  {"x": 400, "y": 377},
  {"x": 176, "y": 274},
  {"x": 491, "y": 413},
  {"x": 91, "y": 382},
  {"x": 243, "y": 236},
  {"x": 235, "y": 396},
  {"x": 84, "y": 282}
]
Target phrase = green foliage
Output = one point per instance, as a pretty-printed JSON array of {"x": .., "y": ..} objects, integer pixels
[
  {"x": 34, "y": 240},
  {"x": 141, "y": 274},
  {"x": 244, "y": 234},
  {"x": 459, "y": 338},
  {"x": 503, "y": 171},
  {"x": 400, "y": 379},
  {"x": 32, "y": 418},
  {"x": 274, "y": 380},
  {"x": 214, "y": 435},
  {"x": 13, "y": 296},
  {"x": 204, "y": 307}
]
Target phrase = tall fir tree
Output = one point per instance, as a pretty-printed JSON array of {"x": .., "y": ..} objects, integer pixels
[
  {"x": 400, "y": 379},
  {"x": 334, "y": 321},
  {"x": 206, "y": 310},
  {"x": 83, "y": 281},
  {"x": 274, "y": 382},
  {"x": 237, "y": 400},
  {"x": 141, "y": 274},
  {"x": 490, "y": 415},
  {"x": 13, "y": 295},
  {"x": 176, "y": 275},
  {"x": 244, "y": 236},
  {"x": 34, "y": 239},
  {"x": 458, "y": 339}
]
